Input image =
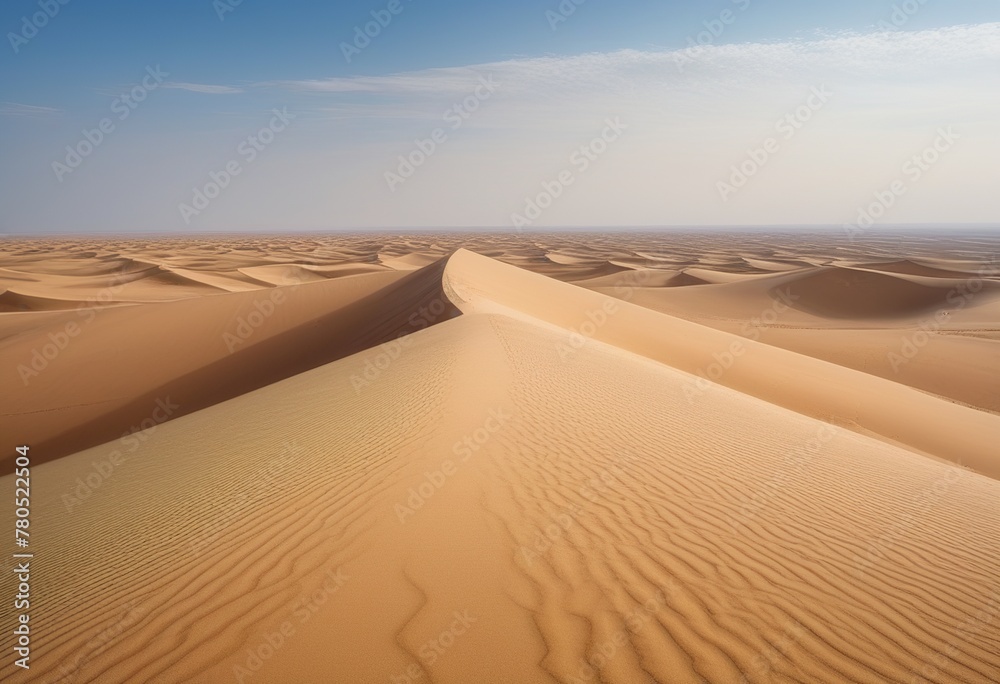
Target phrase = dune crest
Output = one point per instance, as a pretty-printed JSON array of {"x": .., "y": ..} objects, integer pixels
[{"x": 810, "y": 386}]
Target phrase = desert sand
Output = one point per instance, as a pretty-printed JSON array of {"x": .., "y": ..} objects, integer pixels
[{"x": 655, "y": 457}]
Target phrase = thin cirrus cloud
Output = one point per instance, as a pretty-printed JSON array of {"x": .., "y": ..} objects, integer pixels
[
  {"x": 906, "y": 76},
  {"x": 645, "y": 79},
  {"x": 880, "y": 54},
  {"x": 20, "y": 109},
  {"x": 691, "y": 114},
  {"x": 204, "y": 88}
]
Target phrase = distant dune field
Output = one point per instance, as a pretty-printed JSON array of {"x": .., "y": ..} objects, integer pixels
[{"x": 507, "y": 458}]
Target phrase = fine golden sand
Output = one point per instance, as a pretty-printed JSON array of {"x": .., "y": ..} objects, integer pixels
[{"x": 456, "y": 458}]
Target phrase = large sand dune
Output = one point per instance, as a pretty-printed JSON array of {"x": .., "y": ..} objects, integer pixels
[
  {"x": 539, "y": 484},
  {"x": 196, "y": 352},
  {"x": 939, "y": 334},
  {"x": 814, "y": 387}
]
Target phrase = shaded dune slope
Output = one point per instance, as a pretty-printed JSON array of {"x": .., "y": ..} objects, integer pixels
[
  {"x": 202, "y": 351},
  {"x": 907, "y": 267},
  {"x": 855, "y": 294},
  {"x": 12, "y": 301}
]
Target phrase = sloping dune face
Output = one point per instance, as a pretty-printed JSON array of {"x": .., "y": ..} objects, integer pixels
[
  {"x": 807, "y": 385},
  {"x": 487, "y": 510},
  {"x": 849, "y": 293},
  {"x": 932, "y": 329},
  {"x": 89, "y": 376},
  {"x": 540, "y": 483}
]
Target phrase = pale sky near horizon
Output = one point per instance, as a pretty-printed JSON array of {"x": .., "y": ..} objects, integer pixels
[{"x": 637, "y": 113}]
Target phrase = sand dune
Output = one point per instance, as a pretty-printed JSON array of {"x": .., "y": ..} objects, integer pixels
[
  {"x": 937, "y": 334},
  {"x": 827, "y": 295},
  {"x": 948, "y": 363},
  {"x": 225, "y": 281},
  {"x": 407, "y": 262},
  {"x": 849, "y": 293},
  {"x": 715, "y": 277},
  {"x": 907, "y": 267},
  {"x": 153, "y": 283},
  {"x": 276, "y": 274},
  {"x": 77, "y": 265},
  {"x": 871, "y": 295},
  {"x": 801, "y": 383},
  {"x": 16, "y": 302},
  {"x": 219, "y": 347},
  {"x": 777, "y": 266},
  {"x": 643, "y": 539},
  {"x": 649, "y": 277},
  {"x": 466, "y": 470}
]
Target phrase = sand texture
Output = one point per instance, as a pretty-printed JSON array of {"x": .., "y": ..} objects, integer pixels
[{"x": 529, "y": 458}]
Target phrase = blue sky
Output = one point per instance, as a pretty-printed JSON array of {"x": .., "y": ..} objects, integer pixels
[{"x": 899, "y": 73}]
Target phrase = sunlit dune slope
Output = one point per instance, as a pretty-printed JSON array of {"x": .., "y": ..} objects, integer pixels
[
  {"x": 867, "y": 403},
  {"x": 937, "y": 334},
  {"x": 485, "y": 508}
]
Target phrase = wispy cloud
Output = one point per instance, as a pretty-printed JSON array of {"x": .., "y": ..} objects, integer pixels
[
  {"x": 372, "y": 112},
  {"x": 205, "y": 88},
  {"x": 881, "y": 78},
  {"x": 429, "y": 81},
  {"x": 692, "y": 117},
  {"x": 888, "y": 54},
  {"x": 19, "y": 109}
]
